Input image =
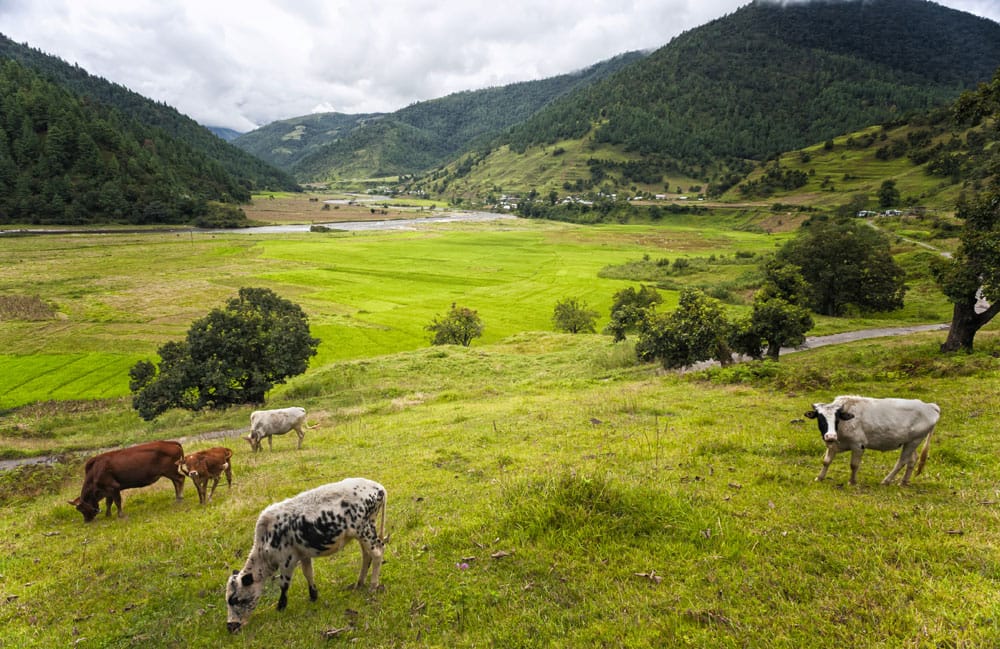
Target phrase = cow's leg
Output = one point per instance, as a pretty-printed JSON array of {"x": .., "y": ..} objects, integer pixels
[
  {"x": 178, "y": 487},
  {"x": 831, "y": 452},
  {"x": 908, "y": 456},
  {"x": 215, "y": 483},
  {"x": 372, "y": 550},
  {"x": 229, "y": 475},
  {"x": 856, "y": 454},
  {"x": 285, "y": 579},
  {"x": 301, "y": 434},
  {"x": 307, "y": 572},
  {"x": 118, "y": 503},
  {"x": 107, "y": 503},
  {"x": 201, "y": 485},
  {"x": 269, "y": 446}
]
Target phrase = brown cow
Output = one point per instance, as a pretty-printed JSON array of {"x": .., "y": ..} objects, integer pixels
[
  {"x": 107, "y": 474},
  {"x": 206, "y": 465}
]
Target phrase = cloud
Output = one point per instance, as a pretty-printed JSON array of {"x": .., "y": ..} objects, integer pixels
[{"x": 242, "y": 64}]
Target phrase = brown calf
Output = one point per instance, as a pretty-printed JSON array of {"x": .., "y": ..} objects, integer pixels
[
  {"x": 206, "y": 465},
  {"x": 107, "y": 474}
]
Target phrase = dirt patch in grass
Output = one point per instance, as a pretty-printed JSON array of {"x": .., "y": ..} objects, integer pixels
[
  {"x": 25, "y": 307},
  {"x": 313, "y": 209}
]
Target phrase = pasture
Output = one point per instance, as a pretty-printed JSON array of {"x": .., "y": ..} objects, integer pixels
[{"x": 543, "y": 488}]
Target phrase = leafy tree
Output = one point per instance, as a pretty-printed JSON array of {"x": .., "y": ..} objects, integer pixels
[
  {"x": 231, "y": 356},
  {"x": 459, "y": 327},
  {"x": 974, "y": 270},
  {"x": 779, "y": 317},
  {"x": 630, "y": 308},
  {"x": 888, "y": 195},
  {"x": 846, "y": 262},
  {"x": 697, "y": 330},
  {"x": 574, "y": 316}
]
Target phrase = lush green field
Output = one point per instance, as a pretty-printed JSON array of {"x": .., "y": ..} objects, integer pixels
[
  {"x": 544, "y": 491},
  {"x": 118, "y": 297}
]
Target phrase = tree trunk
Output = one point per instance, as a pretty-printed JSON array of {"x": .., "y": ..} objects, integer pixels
[{"x": 965, "y": 322}]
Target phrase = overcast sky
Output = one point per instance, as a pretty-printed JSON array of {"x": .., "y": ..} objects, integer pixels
[{"x": 245, "y": 63}]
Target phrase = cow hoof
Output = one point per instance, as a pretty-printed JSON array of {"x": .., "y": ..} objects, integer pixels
[{"x": 233, "y": 626}]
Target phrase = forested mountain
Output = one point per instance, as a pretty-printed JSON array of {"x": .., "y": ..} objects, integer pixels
[
  {"x": 66, "y": 159},
  {"x": 768, "y": 78},
  {"x": 252, "y": 173},
  {"x": 285, "y": 142},
  {"x": 416, "y": 138},
  {"x": 226, "y": 134}
]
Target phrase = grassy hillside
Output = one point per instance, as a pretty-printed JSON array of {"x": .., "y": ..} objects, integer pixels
[
  {"x": 543, "y": 488},
  {"x": 542, "y": 494}
]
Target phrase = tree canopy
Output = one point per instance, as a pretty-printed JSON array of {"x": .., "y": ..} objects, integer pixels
[
  {"x": 233, "y": 355},
  {"x": 974, "y": 271},
  {"x": 845, "y": 262},
  {"x": 458, "y": 327}
]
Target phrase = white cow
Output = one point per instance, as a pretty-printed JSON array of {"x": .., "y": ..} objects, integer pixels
[
  {"x": 314, "y": 523},
  {"x": 858, "y": 423},
  {"x": 265, "y": 423}
]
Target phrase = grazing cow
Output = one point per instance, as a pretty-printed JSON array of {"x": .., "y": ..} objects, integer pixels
[
  {"x": 265, "y": 423},
  {"x": 858, "y": 423},
  {"x": 107, "y": 474},
  {"x": 314, "y": 523},
  {"x": 206, "y": 465}
]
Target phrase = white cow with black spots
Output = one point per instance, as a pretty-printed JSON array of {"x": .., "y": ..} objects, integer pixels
[
  {"x": 314, "y": 523},
  {"x": 858, "y": 423}
]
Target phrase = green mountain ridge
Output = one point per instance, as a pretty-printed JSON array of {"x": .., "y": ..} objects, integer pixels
[
  {"x": 419, "y": 137},
  {"x": 765, "y": 79}
]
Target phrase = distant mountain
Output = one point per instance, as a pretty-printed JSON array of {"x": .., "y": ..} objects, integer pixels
[
  {"x": 770, "y": 77},
  {"x": 285, "y": 142},
  {"x": 252, "y": 173},
  {"x": 416, "y": 138},
  {"x": 226, "y": 134}
]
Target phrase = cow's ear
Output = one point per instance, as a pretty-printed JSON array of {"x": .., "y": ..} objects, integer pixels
[
  {"x": 74, "y": 502},
  {"x": 844, "y": 416},
  {"x": 811, "y": 414},
  {"x": 247, "y": 579}
]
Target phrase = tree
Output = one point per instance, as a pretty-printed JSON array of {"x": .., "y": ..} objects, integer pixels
[
  {"x": 574, "y": 316},
  {"x": 974, "y": 271},
  {"x": 630, "y": 308},
  {"x": 697, "y": 330},
  {"x": 779, "y": 317},
  {"x": 846, "y": 262},
  {"x": 459, "y": 327},
  {"x": 888, "y": 195},
  {"x": 231, "y": 356}
]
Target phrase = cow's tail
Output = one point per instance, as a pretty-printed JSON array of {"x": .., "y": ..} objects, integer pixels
[
  {"x": 923, "y": 453},
  {"x": 381, "y": 523}
]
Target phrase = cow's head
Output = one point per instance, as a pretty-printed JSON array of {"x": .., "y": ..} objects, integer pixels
[
  {"x": 254, "y": 441},
  {"x": 184, "y": 469},
  {"x": 89, "y": 509},
  {"x": 824, "y": 414},
  {"x": 242, "y": 592}
]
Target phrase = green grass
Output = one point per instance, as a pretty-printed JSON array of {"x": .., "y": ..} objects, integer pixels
[
  {"x": 592, "y": 502},
  {"x": 365, "y": 294},
  {"x": 544, "y": 489}
]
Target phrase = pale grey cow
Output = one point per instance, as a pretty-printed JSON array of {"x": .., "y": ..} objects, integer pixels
[
  {"x": 314, "y": 523},
  {"x": 857, "y": 423},
  {"x": 265, "y": 423}
]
